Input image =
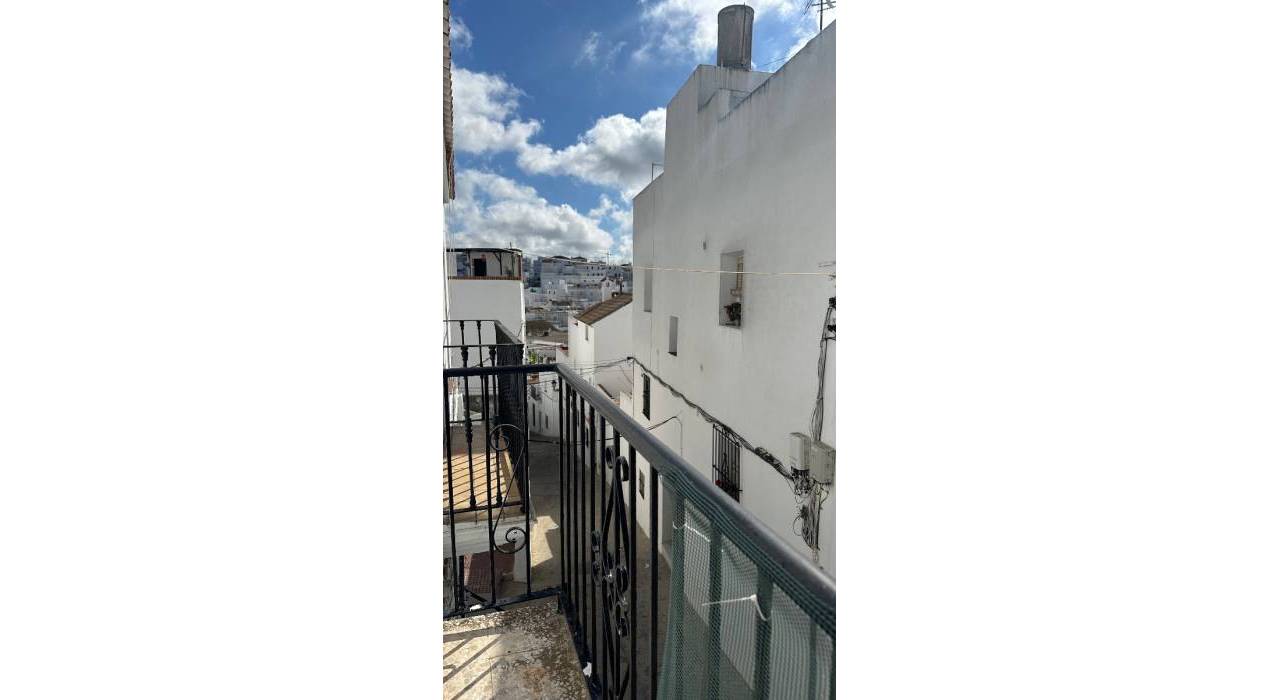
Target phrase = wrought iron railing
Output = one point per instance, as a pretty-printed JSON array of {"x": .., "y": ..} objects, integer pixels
[
  {"x": 670, "y": 588},
  {"x": 481, "y": 343}
]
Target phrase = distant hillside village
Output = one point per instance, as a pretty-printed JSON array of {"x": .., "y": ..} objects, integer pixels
[{"x": 558, "y": 288}]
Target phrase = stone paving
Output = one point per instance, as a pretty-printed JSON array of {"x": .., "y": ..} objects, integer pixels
[{"x": 522, "y": 652}]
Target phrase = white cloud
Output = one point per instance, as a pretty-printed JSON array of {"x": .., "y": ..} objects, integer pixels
[
  {"x": 484, "y": 109},
  {"x": 593, "y": 53},
  {"x": 623, "y": 250},
  {"x": 459, "y": 35},
  {"x": 800, "y": 44},
  {"x": 805, "y": 32},
  {"x": 590, "y": 49},
  {"x": 492, "y": 210},
  {"x": 617, "y": 151},
  {"x": 688, "y": 27},
  {"x": 619, "y": 213}
]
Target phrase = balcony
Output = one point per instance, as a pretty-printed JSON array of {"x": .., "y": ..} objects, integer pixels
[
  {"x": 602, "y": 564},
  {"x": 484, "y": 263}
]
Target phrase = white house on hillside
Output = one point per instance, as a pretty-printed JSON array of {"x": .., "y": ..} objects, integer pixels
[{"x": 748, "y": 186}]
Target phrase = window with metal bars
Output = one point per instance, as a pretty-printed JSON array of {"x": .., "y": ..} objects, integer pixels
[
  {"x": 726, "y": 462},
  {"x": 645, "y": 404}
]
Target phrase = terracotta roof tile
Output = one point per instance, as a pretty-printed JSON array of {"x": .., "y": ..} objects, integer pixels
[{"x": 595, "y": 313}]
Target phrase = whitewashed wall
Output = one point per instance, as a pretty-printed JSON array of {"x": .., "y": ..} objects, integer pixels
[
  {"x": 604, "y": 341},
  {"x": 750, "y": 170},
  {"x": 479, "y": 298}
]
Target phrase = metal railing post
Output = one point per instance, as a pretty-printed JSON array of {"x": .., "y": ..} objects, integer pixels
[
  {"x": 488, "y": 490},
  {"x": 453, "y": 530},
  {"x": 560, "y": 524},
  {"x": 655, "y": 482},
  {"x": 632, "y": 578},
  {"x": 594, "y": 610}
]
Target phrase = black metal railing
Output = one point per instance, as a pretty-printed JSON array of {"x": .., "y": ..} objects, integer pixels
[
  {"x": 486, "y": 472},
  {"x": 486, "y": 343},
  {"x": 481, "y": 343},
  {"x": 670, "y": 588}
]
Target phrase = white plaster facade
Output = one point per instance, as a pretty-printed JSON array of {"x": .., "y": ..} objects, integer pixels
[
  {"x": 749, "y": 169},
  {"x": 590, "y": 344},
  {"x": 498, "y": 296},
  {"x": 605, "y": 341}
]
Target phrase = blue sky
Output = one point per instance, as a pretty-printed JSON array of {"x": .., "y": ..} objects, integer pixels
[{"x": 560, "y": 109}]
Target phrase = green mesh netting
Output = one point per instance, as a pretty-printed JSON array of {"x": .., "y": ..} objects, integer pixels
[{"x": 732, "y": 630}]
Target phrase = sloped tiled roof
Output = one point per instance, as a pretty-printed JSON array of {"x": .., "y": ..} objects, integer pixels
[{"x": 604, "y": 308}]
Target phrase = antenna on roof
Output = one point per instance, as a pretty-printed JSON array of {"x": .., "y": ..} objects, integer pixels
[{"x": 823, "y": 6}]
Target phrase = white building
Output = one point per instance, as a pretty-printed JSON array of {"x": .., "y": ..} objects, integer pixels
[
  {"x": 534, "y": 296},
  {"x": 572, "y": 270},
  {"x": 600, "y": 342},
  {"x": 599, "y": 345},
  {"x": 583, "y": 293},
  {"x": 748, "y": 186},
  {"x": 484, "y": 284}
]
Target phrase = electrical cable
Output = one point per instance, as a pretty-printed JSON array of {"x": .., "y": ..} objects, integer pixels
[
  {"x": 828, "y": 333},
  {"x": 608, "y": 439},
  {"x": 757, "y": 451},
  {"x": 736, "y": 272}
]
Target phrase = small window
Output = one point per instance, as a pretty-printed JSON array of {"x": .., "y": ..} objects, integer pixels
[
  {"x": 726, "y": 460},
  {"x": 673, "y": 334},
  {"x": 648, "y": 290},
  {"x": 645, "y": 403},
  {"x": 586, "y": 332},
  {"x": 731, "y": 289}
]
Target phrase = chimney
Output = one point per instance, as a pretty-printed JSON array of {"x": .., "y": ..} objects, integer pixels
[{"x": 734, "y": 47}]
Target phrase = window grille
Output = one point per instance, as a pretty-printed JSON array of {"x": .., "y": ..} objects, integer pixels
[{"x": 726, "y": 462}]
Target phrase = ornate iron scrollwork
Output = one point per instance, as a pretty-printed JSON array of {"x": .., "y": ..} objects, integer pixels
[
  {"x": 609, "y": 571},
  {"x": 515, "y": 536},
  {"x": 516, "y": 539}
]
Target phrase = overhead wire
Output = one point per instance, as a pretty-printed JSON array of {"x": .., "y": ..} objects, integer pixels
[
  {"x": 606, "y": 439},
  {"x": 830, "y": 275},
  {"x": 760, "y": 452}
]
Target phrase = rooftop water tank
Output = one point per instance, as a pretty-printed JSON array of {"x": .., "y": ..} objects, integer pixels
[{"x": 733, "y": 50}]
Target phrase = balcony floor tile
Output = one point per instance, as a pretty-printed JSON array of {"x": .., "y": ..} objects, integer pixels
[{"x": 523, "y": 652}]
